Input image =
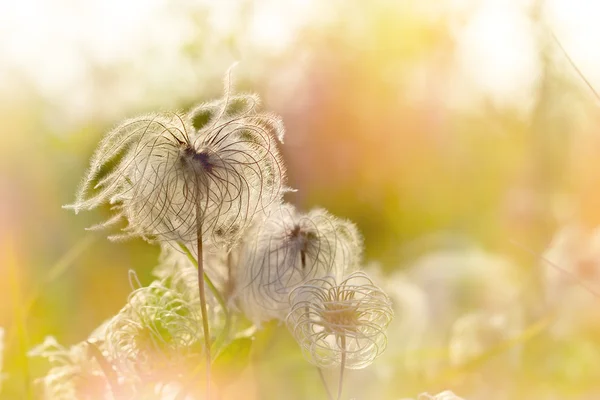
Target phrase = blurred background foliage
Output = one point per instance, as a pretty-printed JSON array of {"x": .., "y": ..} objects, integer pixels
[{"x": 430, "y": 124}]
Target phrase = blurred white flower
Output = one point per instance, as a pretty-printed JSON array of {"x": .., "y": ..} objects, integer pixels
[
  {"x": 445, "y": 395},
  {"x": 181, "y": 274},
  {"x": 169, "y": 175},
  {"x": 571, "y": 270},
  {"x": 456, "y": 281},
  {"x": 337, "y": 323},
  {"x": 407, "y": 330},
  {"x": 479, "y": 332},
  {"x": 157, "y": 335},
  {"x": 460, "y": 279},
  {"x": 74, "y": 374},
  {"x": 169, "y": 391},
  {"x": 287, "y": 249}
]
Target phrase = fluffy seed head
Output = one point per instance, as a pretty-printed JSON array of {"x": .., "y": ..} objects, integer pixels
[
  {"x": 74, "y": 374},
  {"x": 476, "y": 333},
  {"x": 181, "y": 273},
  {"x": 445, "y": 395},
  {"x": 329, "y": 319},
  {"x": 571, "y": 277},
  {"x": 156, "y": 335},
  {"x": 168, "y": 174},
  {"x": 289, "y": 248}
]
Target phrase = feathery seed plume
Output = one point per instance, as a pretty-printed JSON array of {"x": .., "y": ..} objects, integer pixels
[
  {"x": 287, "y": 249},
  {"x": 335, "y": 322}
]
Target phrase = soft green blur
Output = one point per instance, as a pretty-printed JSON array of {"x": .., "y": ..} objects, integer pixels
[{"x": 381, "y": 130}]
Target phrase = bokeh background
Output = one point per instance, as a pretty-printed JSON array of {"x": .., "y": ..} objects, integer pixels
[{"x": 436, "y": 126}]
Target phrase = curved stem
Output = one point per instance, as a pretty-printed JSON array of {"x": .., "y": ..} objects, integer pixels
[
  {"x": 575, "y": 67},
  {"x": 342, "y": 367},
  {"x": 213, "y": 289},
  {"x": 201, "y": 291},
  {"x": 211, "y": 286}
]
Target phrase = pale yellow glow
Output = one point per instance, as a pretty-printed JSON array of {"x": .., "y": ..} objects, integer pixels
[
  {"x": 50, "y": 41},
  {"x": 275, "y": 23},
  {"x": 498, "y": 52},
  {"x": 577, "y": 25}
]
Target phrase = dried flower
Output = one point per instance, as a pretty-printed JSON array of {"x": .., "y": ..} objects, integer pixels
[
  {"x": 456, "y": 279},
  {"x": 445, "y": 395},
  {"x": 572, "y": 260},
  {"x": 571, "y": 272},
  {"x": 287, "y": 249},
  {"x": 156, "y": 335},
  {"x": 181, "y": 274},
  {"x": 169, "y": 175},
  {"x": 346, "y": 321},
  {"x": 74, "y": 373},
  {"x": 476, "y": 333}
]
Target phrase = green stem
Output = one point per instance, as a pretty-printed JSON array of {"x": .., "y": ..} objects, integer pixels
[
  {"x": 342, "y": 367},
  {"x": 201, "y": 291},
  {"x": 211, "y": 286}
]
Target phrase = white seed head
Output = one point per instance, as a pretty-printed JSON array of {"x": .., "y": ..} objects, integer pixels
[
  {"x": 461, "y": 278},
  {"x": 287, "y": 249},
  {"x": 330, "y": 319},
  {"x": 181, "y": 274},
  {"x": 476, "y": 333},
  {"x": 156, "y": 335},
  {"x": 571, "y": 273},
  {"x": 74, "y": 373},
  {"x": 410, "y": 325},
  {"x": 166, "y": 174},
  {"x": 445, "y": 395}
]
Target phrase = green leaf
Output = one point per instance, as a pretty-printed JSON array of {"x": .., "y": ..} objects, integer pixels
[
  {"x": 202, "y": 115},
  {"x": 232, "y": 360}
]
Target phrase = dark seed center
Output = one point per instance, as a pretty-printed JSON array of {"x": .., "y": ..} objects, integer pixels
[{"x": 201, "y": 158}]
